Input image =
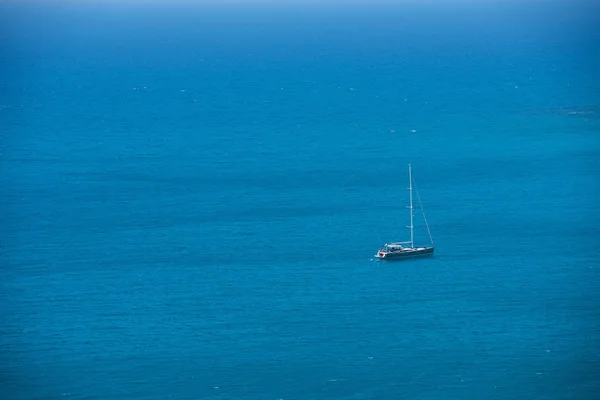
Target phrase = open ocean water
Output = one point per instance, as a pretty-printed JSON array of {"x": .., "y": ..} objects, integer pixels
[{"x": 192, "y": 198}]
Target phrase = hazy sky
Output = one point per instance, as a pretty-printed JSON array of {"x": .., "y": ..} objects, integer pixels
[
  {"x": 283, "y": 2},
  {"x": 543, "y": 3}
]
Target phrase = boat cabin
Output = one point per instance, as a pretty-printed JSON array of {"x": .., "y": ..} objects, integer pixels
[{"x": 393, "y": 247}]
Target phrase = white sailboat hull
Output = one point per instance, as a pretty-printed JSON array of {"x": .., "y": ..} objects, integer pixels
[{"x": 404, "y": 253}]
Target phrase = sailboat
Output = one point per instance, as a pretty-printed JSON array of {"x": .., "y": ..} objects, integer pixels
[{"x": 407, "y": 249}]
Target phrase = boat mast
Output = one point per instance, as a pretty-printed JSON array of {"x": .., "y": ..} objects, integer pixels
[{"x": 410, "y": 206}]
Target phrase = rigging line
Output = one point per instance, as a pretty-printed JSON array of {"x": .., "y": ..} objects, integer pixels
[{"x": 422, "y": 210}]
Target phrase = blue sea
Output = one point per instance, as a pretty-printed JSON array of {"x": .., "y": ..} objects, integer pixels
[{"x": 192, "y": 197}]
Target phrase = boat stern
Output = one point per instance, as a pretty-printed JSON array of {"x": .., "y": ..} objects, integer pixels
[{"x": 381, "y": 254}]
